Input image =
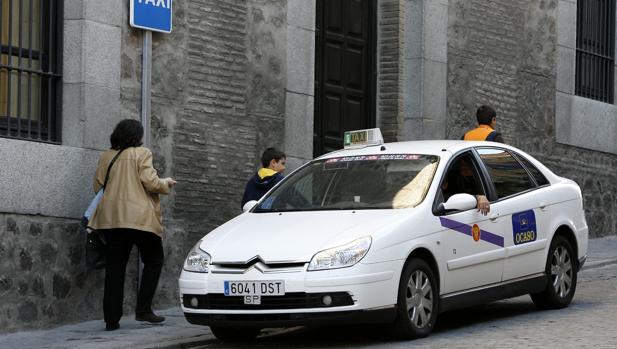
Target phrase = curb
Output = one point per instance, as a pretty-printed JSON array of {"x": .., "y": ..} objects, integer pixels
[
  {"x": 600, "y": 263},
  {"x": 192, "y": 342},
  {"x": 180, "y": 343}
]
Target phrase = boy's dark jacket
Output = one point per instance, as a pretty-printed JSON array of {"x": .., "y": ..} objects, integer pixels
[{"x": 259, "y": 184}]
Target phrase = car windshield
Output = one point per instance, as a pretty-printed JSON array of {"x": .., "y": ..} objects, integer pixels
[{"x": 355, "y": 182}]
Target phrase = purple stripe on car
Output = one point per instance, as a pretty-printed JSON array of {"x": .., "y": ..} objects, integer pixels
[{"x": 466, "y": 229}]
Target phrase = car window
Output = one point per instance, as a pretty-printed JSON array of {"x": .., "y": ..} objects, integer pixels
[
  {"x": 461, "y": 177},
  {"x": 355, "y": 182},
  {"x": 506, "y": 172},
  {"x": 535, "y": 173}
]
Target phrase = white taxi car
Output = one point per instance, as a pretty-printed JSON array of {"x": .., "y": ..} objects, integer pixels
[{"x": 390, "y": 233}]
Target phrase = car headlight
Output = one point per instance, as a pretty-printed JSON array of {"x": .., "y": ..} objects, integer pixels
[
  {"x": 198, "y": 260},
  {"x": 341, "y": 256}
]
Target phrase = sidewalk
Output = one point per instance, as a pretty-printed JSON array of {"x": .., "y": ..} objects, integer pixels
[
  {"x": 132, "y": 334},
  {"x": 602, "y": 251},
  {"x": 176, "y": 332}
]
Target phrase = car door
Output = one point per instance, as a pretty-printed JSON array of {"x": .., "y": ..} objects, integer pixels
[
  {"x": 523, "y": 211},
  {"x": 473, "y": 244}
]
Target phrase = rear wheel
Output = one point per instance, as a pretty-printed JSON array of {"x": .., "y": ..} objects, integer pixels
[
  {"x": 417, "y": 300},
  {"x": 561, "y": 269},
  {"x": 235, "y": 334}
]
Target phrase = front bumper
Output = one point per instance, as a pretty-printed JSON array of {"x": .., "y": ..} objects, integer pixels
[
  {"x": 372, "y": 288},
  {"x": 380, "y": 315}
]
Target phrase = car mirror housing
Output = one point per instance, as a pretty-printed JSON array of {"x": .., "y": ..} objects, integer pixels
[
  {"x": 249, "y": 205},
  {"x": 459, "y": 202}
]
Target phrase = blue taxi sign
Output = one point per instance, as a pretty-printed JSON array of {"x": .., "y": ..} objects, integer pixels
[
  {"x": 362, "y": 138},
  {"x": 155, "y": 15}
]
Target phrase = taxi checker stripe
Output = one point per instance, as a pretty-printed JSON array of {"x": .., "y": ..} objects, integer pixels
[{"x": 466, "y": 229}]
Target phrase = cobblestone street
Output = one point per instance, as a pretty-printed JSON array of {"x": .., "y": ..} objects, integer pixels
[{"x": 589, "y": 322}]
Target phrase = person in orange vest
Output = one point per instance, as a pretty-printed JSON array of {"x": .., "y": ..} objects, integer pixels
[{"x": 486, "y": 126}]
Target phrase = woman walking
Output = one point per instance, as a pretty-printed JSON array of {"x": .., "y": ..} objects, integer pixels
[{"x": 130, "y": 214}]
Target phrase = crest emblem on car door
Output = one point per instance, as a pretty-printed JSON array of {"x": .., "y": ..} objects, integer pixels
[{"x": 475, "y": 232}]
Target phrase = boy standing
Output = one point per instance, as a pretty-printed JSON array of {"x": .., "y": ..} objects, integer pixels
[{"x": 273, "y": 162}]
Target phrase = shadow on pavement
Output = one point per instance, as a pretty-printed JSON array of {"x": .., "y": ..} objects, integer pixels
[{"x": 368, "y": 335}]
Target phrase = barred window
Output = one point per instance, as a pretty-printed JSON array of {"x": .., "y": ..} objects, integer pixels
[
  {"x": 30, "y": 61},
  {"x": 595, "y": 49}
]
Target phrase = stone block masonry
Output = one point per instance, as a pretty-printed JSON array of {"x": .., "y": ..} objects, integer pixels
[
  {"x": 43, "y": 279},
  {"x": 43, "y": 276},
  {"x": 503, "y": 53}
]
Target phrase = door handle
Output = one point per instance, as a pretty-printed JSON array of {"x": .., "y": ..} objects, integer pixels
[
  {"x": 542, "y": 206},
  {"x": 493, "y": 217}
]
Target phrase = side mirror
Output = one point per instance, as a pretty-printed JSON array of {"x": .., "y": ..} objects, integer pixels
[
  {"x": 249, "y": 205},
  {"x": 460, "y": 202}
]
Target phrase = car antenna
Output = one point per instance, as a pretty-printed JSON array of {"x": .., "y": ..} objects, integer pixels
[{"x": 383, "y": 147}]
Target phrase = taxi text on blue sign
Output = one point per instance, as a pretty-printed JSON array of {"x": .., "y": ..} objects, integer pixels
[{"x": 152, "y": 15}]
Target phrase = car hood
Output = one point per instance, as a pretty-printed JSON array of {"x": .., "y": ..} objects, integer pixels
[{"x": 292, "y": 236}]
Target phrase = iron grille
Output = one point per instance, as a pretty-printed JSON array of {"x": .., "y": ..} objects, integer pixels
[
  {"x": 30, "y": 64},
  {"x": 595, "y": 49}
]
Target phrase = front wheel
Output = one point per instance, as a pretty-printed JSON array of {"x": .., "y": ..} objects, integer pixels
[
  {"x": 417, "y": 300},
  {"x": 235, "y": 334},
  {"x": 561, "y": 269}
]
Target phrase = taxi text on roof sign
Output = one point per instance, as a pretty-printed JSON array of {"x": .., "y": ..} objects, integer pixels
[
  {"x": 155, "y": 15},
  {"x": 362, "y": 138}
]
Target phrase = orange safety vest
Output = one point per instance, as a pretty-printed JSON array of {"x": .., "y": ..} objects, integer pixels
[{"x": 478, "y": 134}]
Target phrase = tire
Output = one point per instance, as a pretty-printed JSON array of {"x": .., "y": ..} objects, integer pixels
[
  {"x": 417, "y": 305},
  {"x": 235, "y": 334},
  {"x": 561, "y": 269}
]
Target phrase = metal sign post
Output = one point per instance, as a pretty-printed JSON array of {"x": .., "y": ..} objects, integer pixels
[
  {"x": 146, "y": 73},
  {"x": 151, "y": 15}
]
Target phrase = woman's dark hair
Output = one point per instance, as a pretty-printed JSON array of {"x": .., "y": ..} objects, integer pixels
[{"x": 128, "y": 133}]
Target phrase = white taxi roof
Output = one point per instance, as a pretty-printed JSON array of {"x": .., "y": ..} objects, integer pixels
[
  {"x": 441, "y": 148},
  {"x": 432, "y": 147}
]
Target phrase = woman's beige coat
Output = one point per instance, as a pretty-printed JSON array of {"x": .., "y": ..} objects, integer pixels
[{"x": 131, "y": 197}]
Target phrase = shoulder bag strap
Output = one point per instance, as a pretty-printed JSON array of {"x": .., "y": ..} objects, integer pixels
[
  {"x": 110, "y": 165},
  {"x": 491, "y": 136}
]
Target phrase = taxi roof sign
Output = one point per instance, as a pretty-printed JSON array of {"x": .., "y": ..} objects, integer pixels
[{"x": 362, "y": 138}]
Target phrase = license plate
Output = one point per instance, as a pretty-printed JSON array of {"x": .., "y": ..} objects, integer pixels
[{"x": 255, "y": 288}]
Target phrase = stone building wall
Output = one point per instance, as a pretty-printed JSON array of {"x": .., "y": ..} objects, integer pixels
[
  {"x": 218, "y": 99},
  {"x": 236, "y": 76},
  {"x": 46, "y": 187},
  {"x": 503, "y": 53},
  {"x": 43, "y": 279},
  {"x": 390, "y": 67}
]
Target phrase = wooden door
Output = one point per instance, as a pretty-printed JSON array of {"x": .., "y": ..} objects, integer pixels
[{"x": 344, "y": 71}]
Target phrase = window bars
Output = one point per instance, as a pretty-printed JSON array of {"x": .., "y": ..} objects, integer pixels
[
  {"x": 595, "y": 50},
  {"x": 30, "y": 83}
]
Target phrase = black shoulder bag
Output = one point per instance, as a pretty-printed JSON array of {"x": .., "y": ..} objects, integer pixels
[{"x": 95, "y": 241}]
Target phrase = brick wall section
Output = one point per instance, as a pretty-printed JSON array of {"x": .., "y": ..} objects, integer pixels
[
  {"x": 390, "y": 99},
  {"x": 502, "y": 53},
  {"x": 266, "y": 79},
  {"x": 213, "y": 139}
]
